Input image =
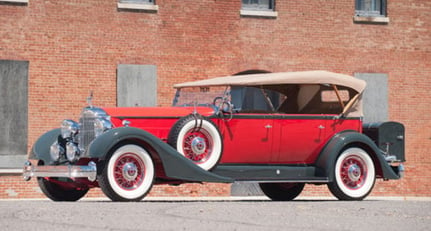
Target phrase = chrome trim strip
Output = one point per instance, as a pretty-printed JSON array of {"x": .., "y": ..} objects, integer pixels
[{"x": 70, "y": 171}]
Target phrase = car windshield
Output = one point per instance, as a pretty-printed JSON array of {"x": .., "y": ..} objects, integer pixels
[{"x": 200, "y": 96}]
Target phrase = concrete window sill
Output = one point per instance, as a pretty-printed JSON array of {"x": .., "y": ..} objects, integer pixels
[
  {"x": 258, "y": 13},
  {"x": 137, "y": 6},
  {"x": 10, "y": 171},
  {"x": 24, "y": 2},
  {"x": 370, "y": 20}
]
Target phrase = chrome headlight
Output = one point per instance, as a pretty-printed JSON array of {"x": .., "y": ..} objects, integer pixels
[
  {"x": 56, "y": 151},
  {"x": 69, "y": 129},
  {"x": 72, "y": 151},
  {"x": 101, "y": 125}
]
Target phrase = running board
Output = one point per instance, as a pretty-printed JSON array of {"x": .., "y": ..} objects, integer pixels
[{"x": 263, "y": 173}]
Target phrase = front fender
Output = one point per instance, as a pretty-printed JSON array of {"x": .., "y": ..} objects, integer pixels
[
  {"x": 175, "y": 165},
  {"x": 40, "y": 149},
  {"x": 333, "y": 148}
]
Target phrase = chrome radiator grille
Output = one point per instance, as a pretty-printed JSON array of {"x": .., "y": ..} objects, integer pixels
[{"x": 87, "y": 133}]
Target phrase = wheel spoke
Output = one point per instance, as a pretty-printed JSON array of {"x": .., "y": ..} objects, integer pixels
[
  {"x": 353, "y": 172},
  {"x": 197, "y": 146},
  {"x": 129, "y": 171}
]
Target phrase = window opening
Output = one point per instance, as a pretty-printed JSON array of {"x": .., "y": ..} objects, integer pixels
[
  {"x": 370, "y": 7},
  {"x": 258, "y": 4}
]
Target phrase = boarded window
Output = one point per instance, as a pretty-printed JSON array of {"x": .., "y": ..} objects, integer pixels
[
  {"x": 13, "y": 113},
  {"x": 136, "y": 85},
  {"x": 375, "y": 97}
]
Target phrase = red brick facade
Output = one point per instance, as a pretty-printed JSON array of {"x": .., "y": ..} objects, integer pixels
[{"x": 74, "y": 47}]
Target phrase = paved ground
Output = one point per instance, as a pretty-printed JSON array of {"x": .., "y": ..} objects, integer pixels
[{"x": 217, "y": 214}]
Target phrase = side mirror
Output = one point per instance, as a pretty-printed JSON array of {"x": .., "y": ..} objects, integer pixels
[{"x": 226, "y": 107}]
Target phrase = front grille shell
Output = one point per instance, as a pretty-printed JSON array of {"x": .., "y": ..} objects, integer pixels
[{"x": 86, "y": 133}]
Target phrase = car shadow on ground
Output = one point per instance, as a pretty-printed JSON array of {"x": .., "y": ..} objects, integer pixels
[{"x": 219, "y": 200}]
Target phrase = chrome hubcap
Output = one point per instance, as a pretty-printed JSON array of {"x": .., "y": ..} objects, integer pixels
[
  {"x": 198, "y": 145},
  {"x": 354, "y": 172},
  {"x": 130, "y": 171}
]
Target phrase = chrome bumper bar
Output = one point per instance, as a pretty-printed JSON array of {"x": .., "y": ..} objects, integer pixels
[{"x": 70, "y": 171}]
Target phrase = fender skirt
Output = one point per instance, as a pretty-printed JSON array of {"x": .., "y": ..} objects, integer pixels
[
  {"x": 333, "y": 148},
  {"x": 175, "y": 165}
]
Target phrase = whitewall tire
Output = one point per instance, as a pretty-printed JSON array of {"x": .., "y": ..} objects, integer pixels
[
  {"x": 128, "y": 174},
  {"x": 355, "y": 175},
  {"x": 198, "y": 139}
]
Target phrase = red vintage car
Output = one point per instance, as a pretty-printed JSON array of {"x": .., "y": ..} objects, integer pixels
[{"x": 281, "y": 130}]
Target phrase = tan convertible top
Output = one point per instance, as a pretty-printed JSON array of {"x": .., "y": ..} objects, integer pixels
[{"x": 303, "y": 77}]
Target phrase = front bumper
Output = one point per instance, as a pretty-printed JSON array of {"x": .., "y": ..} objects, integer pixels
[{"x": 71, "y": 171}]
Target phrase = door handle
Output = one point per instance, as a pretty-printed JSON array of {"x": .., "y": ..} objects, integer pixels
[
  {"x": 268, "y": 126},
  {"x": 321, "y": 127}
]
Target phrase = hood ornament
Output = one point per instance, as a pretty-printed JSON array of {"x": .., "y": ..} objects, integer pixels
[{"x": 90, "y": 100}]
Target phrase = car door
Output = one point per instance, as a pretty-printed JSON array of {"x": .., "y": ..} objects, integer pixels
[
  {"x": 247, "y": 139},
  {"x": 300, "y": 138}
]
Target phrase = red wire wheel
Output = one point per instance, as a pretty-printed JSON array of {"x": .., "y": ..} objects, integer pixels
[
  {"x": 129, "y": 171},
  {"x": 354, "y": 175},
  {"x": 197, "y": 146}
]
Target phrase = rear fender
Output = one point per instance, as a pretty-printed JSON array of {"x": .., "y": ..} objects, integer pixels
[
  {"x": 328, "y": 156},
  {"x": 175, "y": 165}
]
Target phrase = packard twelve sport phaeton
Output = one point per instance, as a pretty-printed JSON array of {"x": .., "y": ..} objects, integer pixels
[{"x": 281, "y": 130}]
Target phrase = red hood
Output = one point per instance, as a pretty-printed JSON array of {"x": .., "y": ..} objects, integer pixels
[{"x": 157, "y": 111}]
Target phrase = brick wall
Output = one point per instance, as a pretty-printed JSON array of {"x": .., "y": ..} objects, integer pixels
[
  {"x": 12, "y": 187},
  {"x": 74, "y": 47}
]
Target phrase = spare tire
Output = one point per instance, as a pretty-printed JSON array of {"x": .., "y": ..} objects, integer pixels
[{"x": 198, "y": 139}]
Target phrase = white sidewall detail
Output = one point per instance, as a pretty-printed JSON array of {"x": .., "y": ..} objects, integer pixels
[
  {"x": 370, "y": 173},
  {"x": 215, "y": 154},
  {"x": 147, "y": 182}
]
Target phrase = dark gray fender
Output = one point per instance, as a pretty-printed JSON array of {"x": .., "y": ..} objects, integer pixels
[
  {"x": 175, "y": 165},
  {"x": 40, "y": 149},
  {"x": 333, "y": 148}
]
